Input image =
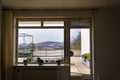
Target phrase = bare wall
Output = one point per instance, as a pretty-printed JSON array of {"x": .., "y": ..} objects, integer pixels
[
  {"x": 0, "y": 45},
  {"x": 107, "y": 44},
  {"x": 107, "y": 37}
]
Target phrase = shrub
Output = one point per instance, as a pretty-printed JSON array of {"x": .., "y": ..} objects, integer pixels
[
  {"x": 39, "y": 61},
  {"x": 51, "y": 61},
  {"x": 29, "y": 59},
  {"x": 25, "y": 62},
  {"x": 86, "y": 55}
]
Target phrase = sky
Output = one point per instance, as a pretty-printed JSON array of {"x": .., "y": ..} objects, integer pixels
[{"x": 42, "y": 35}]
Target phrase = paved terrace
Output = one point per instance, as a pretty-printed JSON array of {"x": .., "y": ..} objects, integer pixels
[{"x": 77, "y": 67}]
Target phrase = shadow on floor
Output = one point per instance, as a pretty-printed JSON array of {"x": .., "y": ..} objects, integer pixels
[
  {"x": 75, "y": 78},
  {"x": 78, "y": 76}
]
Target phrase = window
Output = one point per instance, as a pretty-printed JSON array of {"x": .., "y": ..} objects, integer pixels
[
  {"x": 51, "y": 39},
  {"x": 29, "y": 23},
  {"x": 53, "y": 23},
  {"x": 79, "y": 23},
  {"x": 35, "y": 40}
]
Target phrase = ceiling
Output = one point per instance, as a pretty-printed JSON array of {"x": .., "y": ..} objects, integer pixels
[{"x": 58, "y": 4}]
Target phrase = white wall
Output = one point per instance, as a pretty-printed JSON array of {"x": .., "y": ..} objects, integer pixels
[
  {"x": 85, "y": 41},
  {"x": 107, "y": 44}
]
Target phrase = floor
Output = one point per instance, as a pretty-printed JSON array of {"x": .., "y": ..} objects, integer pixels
[{"x": 77, "y": 67}]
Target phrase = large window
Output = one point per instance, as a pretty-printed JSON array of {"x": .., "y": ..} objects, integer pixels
[
  {"x": 43, "y": 39},
  {"x": 52, "y": 39}
]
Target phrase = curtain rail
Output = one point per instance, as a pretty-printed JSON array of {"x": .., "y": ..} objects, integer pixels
[{"x": 51, "y": 9}]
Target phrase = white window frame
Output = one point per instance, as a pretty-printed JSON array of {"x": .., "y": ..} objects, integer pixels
[
  {"x": 37, "y": 27},
  {"x": 66, "y": 28}
]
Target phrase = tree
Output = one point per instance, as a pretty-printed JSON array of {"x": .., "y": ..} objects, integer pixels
[
  {"x": 76, "y": 44},
  {"x": 31, "y": 47}
]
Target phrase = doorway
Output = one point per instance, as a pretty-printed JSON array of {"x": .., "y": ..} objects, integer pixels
[{"x": 80, "y": 45}]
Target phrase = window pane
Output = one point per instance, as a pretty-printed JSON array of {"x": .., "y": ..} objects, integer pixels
[
  {"x": 53, "y": 23},
  {"x": 85, "y": 23},
  {"x": 80, "y": 45},
  {"x": 43, "y": 43},
  {"x": 29, "y": 23}
]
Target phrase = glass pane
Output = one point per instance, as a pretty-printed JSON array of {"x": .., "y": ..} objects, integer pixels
[
  {"x": 80, "y": 45},
  {"x": 53, "y": 23},
  {"x": 43, "y": 43},
  {"x": 85, "y": 23},
  {"x": 29, "y": 23}
]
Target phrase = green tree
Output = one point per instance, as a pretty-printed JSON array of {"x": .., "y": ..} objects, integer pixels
[
  {"x": 32, "y": 47},
  {"x": 76, "y": 44}
]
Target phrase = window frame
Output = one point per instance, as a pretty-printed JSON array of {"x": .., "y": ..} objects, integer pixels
[
  {"x": 91, "y": 38},
  {"x": 66, "y": 28},
  {"x": 40, "y": 27}
]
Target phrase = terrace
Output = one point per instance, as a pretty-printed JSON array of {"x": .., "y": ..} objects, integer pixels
[{"x": 77, "y": 67}]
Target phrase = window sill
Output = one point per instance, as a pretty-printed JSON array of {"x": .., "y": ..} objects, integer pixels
[{"x": 49, "y": 65}]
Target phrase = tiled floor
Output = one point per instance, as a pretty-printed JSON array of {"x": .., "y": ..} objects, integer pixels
[{"x": 77, "y": 67}]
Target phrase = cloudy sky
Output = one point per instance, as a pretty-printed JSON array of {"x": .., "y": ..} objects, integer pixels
[{"x": 41, "y": 35}]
